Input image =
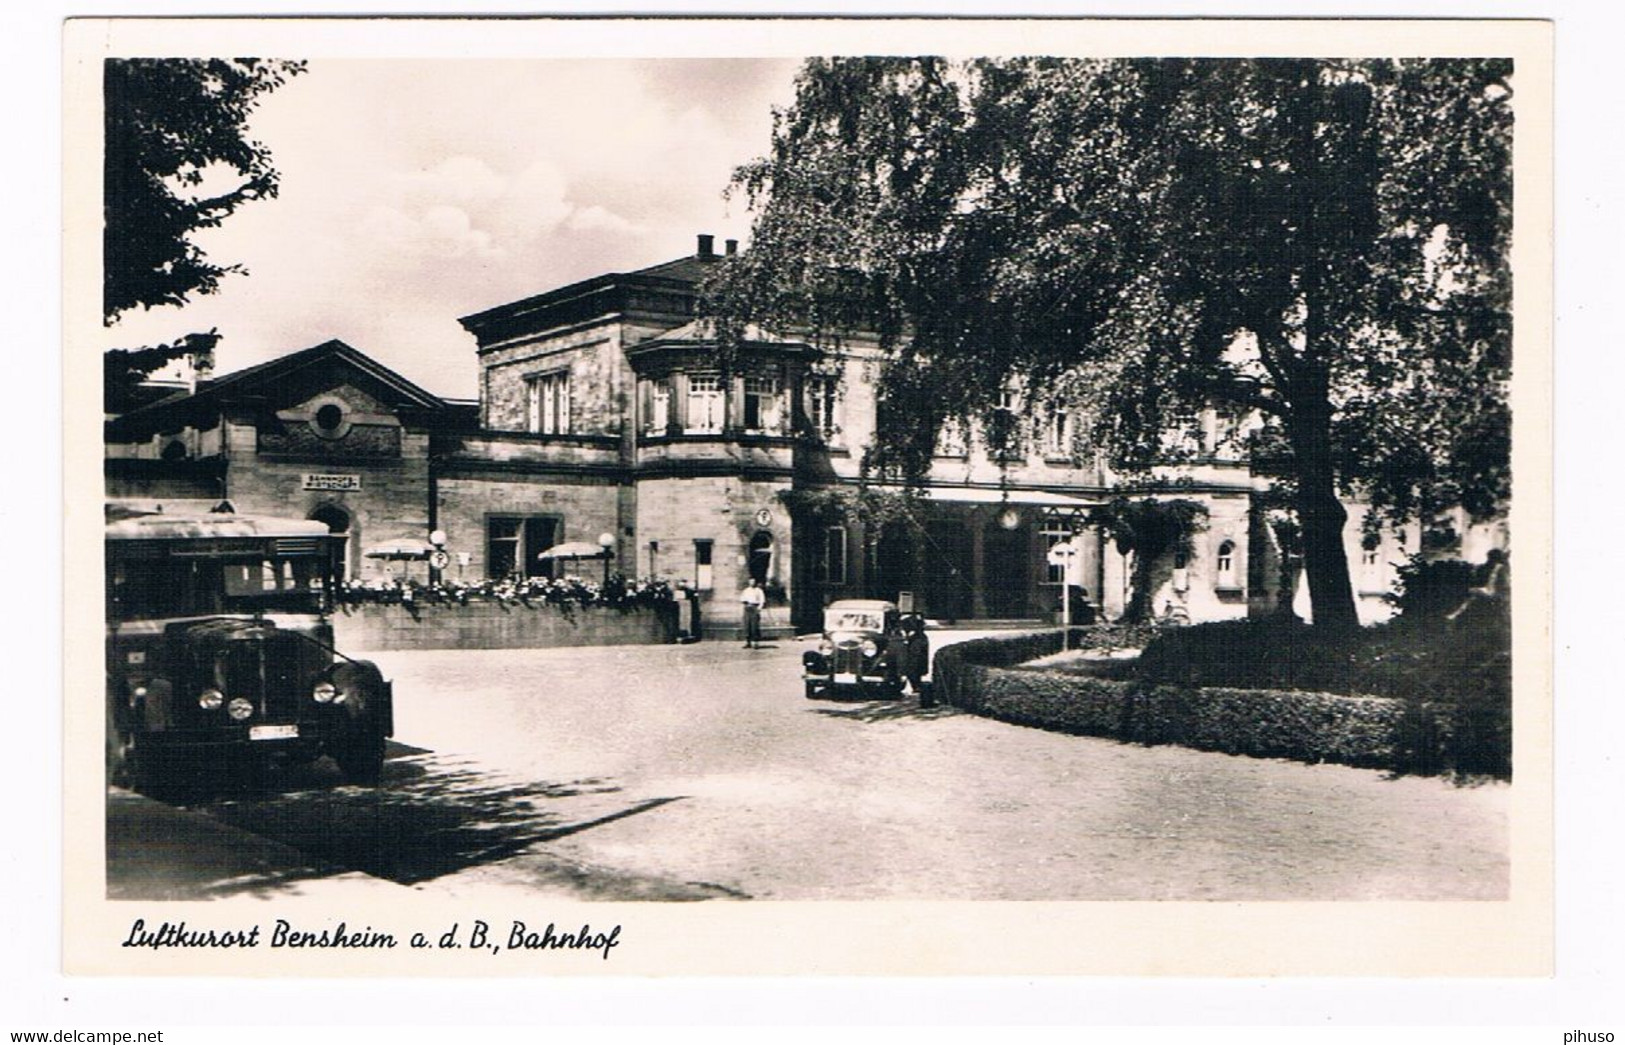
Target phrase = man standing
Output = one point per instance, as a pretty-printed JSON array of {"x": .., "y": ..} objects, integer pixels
[
  {"x": 914, "y": 655},
  {"x": 752, "y": 599}
]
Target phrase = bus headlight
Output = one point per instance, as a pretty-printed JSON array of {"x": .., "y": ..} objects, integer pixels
[
  {"x": 870, "y": 647},
  {"x": 240, "y": 708},
  {"x": 324, "y": 692},
  {"x": 210, "y": 699}
]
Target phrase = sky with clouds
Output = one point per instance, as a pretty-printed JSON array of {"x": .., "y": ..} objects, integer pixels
[{"x": 415, "y": 192}]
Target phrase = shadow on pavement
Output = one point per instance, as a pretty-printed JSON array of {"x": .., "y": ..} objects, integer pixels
[
  {"x": 888, "y": 711},
  {"x": 427, "y": 817},
  {"x": 159, "y": 852}
]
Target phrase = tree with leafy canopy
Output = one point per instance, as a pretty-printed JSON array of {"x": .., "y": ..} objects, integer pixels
[
  {"x": 177, "y": 159},
  {"x": 1321, "y": 244}
]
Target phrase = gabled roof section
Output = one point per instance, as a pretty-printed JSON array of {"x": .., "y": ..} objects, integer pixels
[
  {"x": 690, "y": 269},
  {"x": 667, "y": 289},
  {"x": 267, "y": 378},
  {"x": 406, "y": 394}
]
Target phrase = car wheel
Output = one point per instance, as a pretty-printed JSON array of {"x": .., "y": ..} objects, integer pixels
[
  {"x": 156, "y": 774},
  {"x": 120, "y": 758}
]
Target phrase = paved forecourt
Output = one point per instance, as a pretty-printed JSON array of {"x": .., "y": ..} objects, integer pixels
[{"x": 702, "y": 771}]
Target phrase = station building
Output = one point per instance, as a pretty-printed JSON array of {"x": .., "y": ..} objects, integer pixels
[{"x": 603, "y": 417}]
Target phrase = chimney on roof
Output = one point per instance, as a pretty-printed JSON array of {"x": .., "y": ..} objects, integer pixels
[
  {"x": 707, "y": 248},
  {"x": 730, "y": 246}
]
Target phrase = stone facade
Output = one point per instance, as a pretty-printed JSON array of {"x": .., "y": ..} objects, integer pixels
[
  {"x": 604, "y": 415},
  {"x": 490, "y": 625}
]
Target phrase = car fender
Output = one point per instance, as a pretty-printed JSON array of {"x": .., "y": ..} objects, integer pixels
[{"x": 368, "y": 697}]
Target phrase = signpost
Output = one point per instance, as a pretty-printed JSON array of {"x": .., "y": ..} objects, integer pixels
[{"x": 1069, "y": 557}]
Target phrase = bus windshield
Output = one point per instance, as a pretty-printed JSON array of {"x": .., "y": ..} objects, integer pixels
[{"x": 141, "y": 588}]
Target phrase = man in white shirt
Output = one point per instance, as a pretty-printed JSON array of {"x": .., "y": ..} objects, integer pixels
[{"x": 752, "y": 599}]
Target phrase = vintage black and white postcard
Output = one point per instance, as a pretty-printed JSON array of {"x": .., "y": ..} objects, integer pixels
[{"x": 765, "y": 496}]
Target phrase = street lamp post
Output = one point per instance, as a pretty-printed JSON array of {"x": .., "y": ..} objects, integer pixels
[
  {"x": 438, "y": 559},
  {"x": 606, "y": 541}
]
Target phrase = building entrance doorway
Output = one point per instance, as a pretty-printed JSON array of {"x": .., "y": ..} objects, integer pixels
[
  {"x": 947, "y": 569},
  {"x": 760, "y": 563},
  {"x": 337, "y": 520},
  {"x": 1007, "y": 570}
]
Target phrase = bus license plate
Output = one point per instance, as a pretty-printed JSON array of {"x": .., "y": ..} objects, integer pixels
[{"x": 273, "y": 732}]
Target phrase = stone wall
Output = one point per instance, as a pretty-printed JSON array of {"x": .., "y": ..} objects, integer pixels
[
  {"x": 492, "y": 625},
  {"x": 392, "y": 501},
  {"x": 599, "y": 379},
  {"x": 583, "y": 510},
  {"x": 673, "y": 513}
]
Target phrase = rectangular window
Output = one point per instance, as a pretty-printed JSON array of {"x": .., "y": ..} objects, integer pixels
[
  {"x": 1183, "y": 436},
  {"x": 659, "y": 407},
  {"x": 501, "y": 547},
  {"x": 1056, "y": 529},
  {"x": 823, "y": 395},
  {"x": 1057, "y": 434},
  {"x": 762, "y": 413},
  {"x": 702, "y": 565},
  {"x": 513, "y": 544},
  {"x": 834, "y": 557},
  {"x": 1006, "y": 440},
  {"x": 951, "y": 441},
  {"x": 705, "y": 403},
  {"x": 547, "y": 406}
]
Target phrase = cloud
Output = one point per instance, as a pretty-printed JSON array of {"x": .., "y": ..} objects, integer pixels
[
  {"x": 439, "y": 231},
  {"x": 596, "y": 218},
  {"x": 414, "y": 192}
]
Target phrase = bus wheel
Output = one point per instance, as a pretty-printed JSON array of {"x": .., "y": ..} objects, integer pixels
[{"x": 361, "y": 758}]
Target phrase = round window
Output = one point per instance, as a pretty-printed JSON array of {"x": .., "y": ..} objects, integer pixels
[{"x": 329, "y": 417}]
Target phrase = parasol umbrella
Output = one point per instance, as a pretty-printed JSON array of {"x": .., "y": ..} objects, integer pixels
[
  {"x": 581, "y": 550},
  {"x": 575, "y": 550},
  {"x": 400, "y": 549}
]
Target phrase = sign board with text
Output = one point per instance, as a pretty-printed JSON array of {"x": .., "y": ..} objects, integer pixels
[{"x": 331, "y": 482}]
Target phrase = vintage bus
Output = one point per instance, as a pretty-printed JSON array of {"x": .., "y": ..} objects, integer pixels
[{"x": 220, "y": 651}]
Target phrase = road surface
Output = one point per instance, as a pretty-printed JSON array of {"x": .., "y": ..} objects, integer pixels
[{"x": 701, "y": 772}]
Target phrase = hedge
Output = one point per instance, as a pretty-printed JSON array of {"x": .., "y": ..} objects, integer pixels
[{"x": 1373, "y": 732}]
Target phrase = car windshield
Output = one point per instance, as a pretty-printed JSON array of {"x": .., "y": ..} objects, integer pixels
[
  {"x": 852, "y": 620},
  {"x": 153, "y": 588}
]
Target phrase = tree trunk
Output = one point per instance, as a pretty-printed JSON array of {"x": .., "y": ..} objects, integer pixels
[
  {"x": 1322, "y": 516},
  {"x": 1331, "y": 595}
]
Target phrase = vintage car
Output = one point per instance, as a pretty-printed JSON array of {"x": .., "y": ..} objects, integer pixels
[
  {"x": 855, "y": 655},
  {"x": 220, "y": 652}
]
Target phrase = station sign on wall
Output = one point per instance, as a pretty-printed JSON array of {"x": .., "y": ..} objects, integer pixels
[{"x": 330, "y": 482}]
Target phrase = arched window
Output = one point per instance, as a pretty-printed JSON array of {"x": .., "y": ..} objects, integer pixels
[
  {"x": 1226, "y": 566},
  {"x": 337, "y": 520},
  {"x": 761, "y": 556}
]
